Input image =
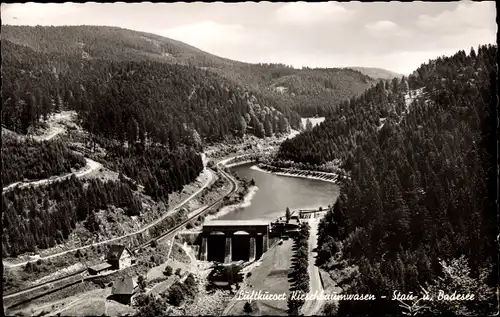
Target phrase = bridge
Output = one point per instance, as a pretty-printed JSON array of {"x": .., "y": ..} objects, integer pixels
[
  {"x": 304, "y": 212},
  {"x": 234, "y": 240}
]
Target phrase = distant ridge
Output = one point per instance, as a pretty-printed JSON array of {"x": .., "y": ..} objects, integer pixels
[
  {"x": 377, "y": 73},
  {"x": 309, "y": 91}
]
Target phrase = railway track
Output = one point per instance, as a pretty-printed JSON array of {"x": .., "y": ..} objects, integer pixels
[
  {"x": 14, "y": 294},
  {"x": 164, "y": 235},
  {"x": 201, "y": 212}
]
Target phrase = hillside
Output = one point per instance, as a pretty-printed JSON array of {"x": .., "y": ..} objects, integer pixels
[
  {"x": 419, "y": 208},
  {"x": 319, "y": 91},
  {"x": 138, "y": 110},
  {"x": 310, "y": 91},
  {"x": 45, "y": 82},
  {"x": 142, "y": 119},
  {"x": 113, "y": 43},
  {"x": 377, "y": 73}
]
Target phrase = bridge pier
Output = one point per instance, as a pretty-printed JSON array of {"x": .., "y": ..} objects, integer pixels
[
  {"x": 265, "y": 243},
  {"x": 253, "y": 249},
  {"x": 228, "y": 257},
  {"x": 247, "y": 235},
  {"x": 204, "y": 249}
]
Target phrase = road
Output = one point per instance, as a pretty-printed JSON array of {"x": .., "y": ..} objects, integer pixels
[
  {"x": 55, "y": 130},
  {"x": 88, "y": 168},
  {"x": 199, "y": 211},
  {"x": 168, "y": 233},
  {"x": 313, "y": 307},
  {"x": 51, "y": 135},
  {"x": 178, "y": 206}
]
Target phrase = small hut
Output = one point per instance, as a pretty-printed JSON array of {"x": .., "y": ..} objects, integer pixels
[{"x": 123, "y": 290}]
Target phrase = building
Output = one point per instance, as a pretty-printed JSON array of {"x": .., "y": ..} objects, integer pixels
[
  {"x": 250, "y": 239},
  {"x": 96, "y": 269},
  {"x": 120, "y": 257},
  {"x": 294, "y": 221},
  {"x": 123, "y": 290},
  {"x": 283, "y": 229}
]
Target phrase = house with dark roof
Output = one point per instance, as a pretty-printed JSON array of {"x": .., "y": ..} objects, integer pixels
[
  {"x": 120, "y": 257},
  {"x": 97, "y": 269},
  {"x": 123, "y": 290}
]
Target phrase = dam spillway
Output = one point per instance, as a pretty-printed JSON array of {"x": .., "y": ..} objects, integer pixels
[{"x": 233, "y": 240}]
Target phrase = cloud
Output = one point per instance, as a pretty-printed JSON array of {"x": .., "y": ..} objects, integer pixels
[
  {"x": 306, "y": 13},
  {"x": 384, "y": 25},
  {"x": 465, "y": 15},
  {"x": 386, "y": 29},
  {"x": 37, "y": 13}
]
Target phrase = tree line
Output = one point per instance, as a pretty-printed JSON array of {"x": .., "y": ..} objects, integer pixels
[
  {"x": 130, "y": 100},
  {"x": 315, "y": 91},
  {"x": 422, "y": 184},
  {"x": 152, "y": 118},
  {"x": 39, "y": 217},
  {"x": 318, "y": 92},
  {"x": 29, "y": 159},
  {"x": 299, "y": 272}
]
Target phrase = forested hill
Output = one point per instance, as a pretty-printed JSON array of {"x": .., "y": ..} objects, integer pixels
[
  {"x": 115, "y": 98},
  {"x": 308, "y": 91},
  {"x": 150, "y": 119},
  {"x": 319, "y": 91},
  {"x": 420, "y": 204},
  {"x": 112, "y": 43}
]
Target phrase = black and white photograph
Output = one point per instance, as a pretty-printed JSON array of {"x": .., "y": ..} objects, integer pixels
[{"x": 249, "y": 159}]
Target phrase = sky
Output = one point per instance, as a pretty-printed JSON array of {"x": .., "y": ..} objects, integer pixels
[{"x": 397, "y": 36}]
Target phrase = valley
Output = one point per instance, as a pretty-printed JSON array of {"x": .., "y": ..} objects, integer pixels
[
  {"x": 47, "y": 257},
  {"x": 144, "y": 176},
  {"x": 69, "y": 131}
]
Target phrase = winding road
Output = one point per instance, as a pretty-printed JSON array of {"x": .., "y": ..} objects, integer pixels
[
  {"x": 178, "y": 206},
  {"x": 54, "y": 131},
  {"x": 166, "y": 234},
  {"x": 90, "y": 167}
]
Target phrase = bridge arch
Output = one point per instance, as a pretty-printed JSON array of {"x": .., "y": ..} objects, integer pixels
[
  {"x": 217, "y": 233},
  {"x": 241, "y": 233},
  {"x": 242, "y": 240}
]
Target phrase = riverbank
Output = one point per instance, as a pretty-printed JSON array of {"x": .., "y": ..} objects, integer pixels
[
  {"x": 321, "y": 176},
  {"x": 265, "y": 160},
  {"x": 239, "y": 163},
  {"x": 241, "y": 198},
  {"x": 247, "y": 200}
]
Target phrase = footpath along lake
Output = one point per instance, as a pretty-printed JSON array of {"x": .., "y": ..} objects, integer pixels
[{"x": 277, "y": 192}]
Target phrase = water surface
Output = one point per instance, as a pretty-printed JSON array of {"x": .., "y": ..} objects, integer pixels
[{"x": 277, "y": 192}]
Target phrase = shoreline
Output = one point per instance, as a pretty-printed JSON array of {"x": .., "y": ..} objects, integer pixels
[
  {"x": 247, "y": 200},
  {"x": 238, "y": 163},
  {"x": 257, "y": 168},
  {"x": 287, "y": 172},
  {"x": 293, "y": 169}
]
